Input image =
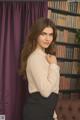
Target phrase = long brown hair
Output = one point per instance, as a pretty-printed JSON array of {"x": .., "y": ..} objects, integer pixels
[{"x": 31, "y": 42}]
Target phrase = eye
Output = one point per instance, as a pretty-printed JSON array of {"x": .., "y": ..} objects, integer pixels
[
  {"x": 43, "y": 34},
  {"x": 51, "y": 35}
]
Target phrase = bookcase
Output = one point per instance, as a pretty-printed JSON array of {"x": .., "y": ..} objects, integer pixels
[{"x": 66, "y": 16}]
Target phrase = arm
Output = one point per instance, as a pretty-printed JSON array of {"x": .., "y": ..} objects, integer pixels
[{"x": 43, "y": 81}]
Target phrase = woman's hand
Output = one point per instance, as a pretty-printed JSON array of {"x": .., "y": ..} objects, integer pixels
[{"x": 51, "y": 59}]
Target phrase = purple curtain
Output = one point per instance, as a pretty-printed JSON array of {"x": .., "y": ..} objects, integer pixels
[{"x": 15, "y": 21}]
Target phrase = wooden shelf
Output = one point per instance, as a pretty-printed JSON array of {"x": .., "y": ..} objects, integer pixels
[
  {"x": 70, "y": 75},
  {"x": 63, "y": 12},
  {"x": 70, "y": 91},
  {"x": 68, "y": 44},
  {"x": 67, "y": 28},
  {"x": 67, "y": 60}
]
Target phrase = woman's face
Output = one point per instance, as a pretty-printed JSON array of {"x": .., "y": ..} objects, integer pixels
[{"x": 45, "y": 38}]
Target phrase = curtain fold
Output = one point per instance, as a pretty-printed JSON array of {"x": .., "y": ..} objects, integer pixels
[{"x": 16, "y": 19}]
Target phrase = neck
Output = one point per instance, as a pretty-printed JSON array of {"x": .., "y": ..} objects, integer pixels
[{"x": 43, "y": 49}]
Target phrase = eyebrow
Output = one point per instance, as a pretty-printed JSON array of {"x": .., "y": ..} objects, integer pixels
[{"x": 47, "y": 33}]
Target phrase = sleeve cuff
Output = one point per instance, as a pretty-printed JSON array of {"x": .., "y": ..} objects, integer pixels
[{"x": 53, "y": 65}]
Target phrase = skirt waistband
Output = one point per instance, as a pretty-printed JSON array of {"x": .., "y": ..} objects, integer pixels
[{"x": 36, "y": 98}]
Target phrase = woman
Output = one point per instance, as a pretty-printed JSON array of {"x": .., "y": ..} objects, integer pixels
[{"x": 39, "y": 66}]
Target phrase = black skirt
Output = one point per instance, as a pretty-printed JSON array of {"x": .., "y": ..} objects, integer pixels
[{"x": 38, "y": 107}]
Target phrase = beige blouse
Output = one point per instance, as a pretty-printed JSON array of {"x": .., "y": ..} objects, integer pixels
[{"x": 42, "y": 76}]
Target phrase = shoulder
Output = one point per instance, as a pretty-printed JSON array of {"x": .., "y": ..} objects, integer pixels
[{"x": 34, "y": 58}]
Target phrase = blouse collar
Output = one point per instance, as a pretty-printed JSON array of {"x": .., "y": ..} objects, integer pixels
[{"x": 40, "y": 51}]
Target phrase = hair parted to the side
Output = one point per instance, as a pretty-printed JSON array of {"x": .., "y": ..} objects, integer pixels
[{"x": 31, "y": 42}]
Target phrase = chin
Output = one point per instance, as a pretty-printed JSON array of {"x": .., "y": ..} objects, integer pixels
[{"x": 46, "y": 46}]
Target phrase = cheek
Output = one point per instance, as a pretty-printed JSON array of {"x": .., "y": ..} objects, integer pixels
[{"x": 39, "y": 40}]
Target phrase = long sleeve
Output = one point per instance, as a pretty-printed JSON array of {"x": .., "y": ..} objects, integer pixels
[
  {"x": 44, "y": 82},
  {"x": 54, "y": 75}
]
